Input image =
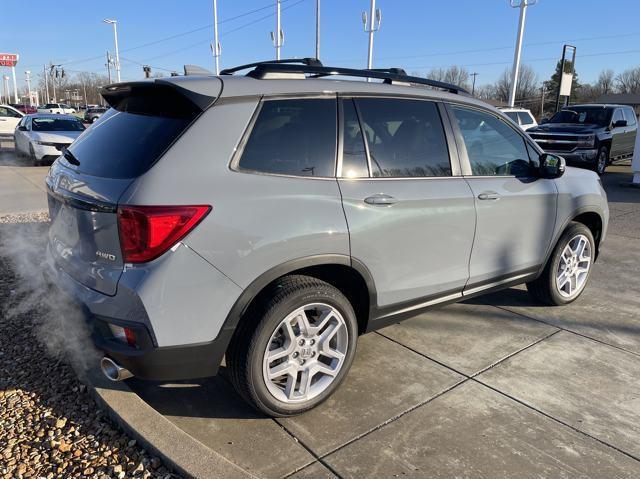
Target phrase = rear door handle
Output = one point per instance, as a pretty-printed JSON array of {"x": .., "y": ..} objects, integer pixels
[
  {"x": 489, "y": 195},
  {"x": 380, "y": 200}
]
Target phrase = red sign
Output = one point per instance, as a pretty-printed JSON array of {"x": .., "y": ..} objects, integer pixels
[{"x": 8, "y": 59}]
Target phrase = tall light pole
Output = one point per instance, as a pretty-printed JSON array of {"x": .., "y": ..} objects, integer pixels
[
  {"x": 371, "y": 26},
  {"x": 215, "y": 46},
  {"x": 46, "y": 84},
  {"x": 522, "y": 5},
  {"x": 317, "y": 29},
  {"x": 108, "y": 64},
  {"x": 27, "y": 79},
  {"x": 115, "y": 39},
  {"x": 278, "y": 37}
]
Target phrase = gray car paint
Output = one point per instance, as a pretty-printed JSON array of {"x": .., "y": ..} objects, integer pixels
[{"x": 418, "y": 247}]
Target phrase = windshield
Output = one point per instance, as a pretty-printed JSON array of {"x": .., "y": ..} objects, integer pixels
[
  {"x": 583, "y": 116},
  {"x": 57, "y": 124}
]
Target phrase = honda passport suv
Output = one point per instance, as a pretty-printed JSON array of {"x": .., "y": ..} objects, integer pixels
[{"x": 271, "y": 218}]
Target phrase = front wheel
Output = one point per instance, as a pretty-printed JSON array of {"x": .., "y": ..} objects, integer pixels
[
  {"x": 294, "y": 349},
  {"x": 602, "y": 160},
  {"x": 567, "y": 271},
  {"x": 32, "y": 157}
]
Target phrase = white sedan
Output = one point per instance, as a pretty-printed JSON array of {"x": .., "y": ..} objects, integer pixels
[
  {"x": 9, "y": 118},
  {"x": 42, "y": 137}
]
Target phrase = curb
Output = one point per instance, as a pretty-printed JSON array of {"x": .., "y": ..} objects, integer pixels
[{"x": 184, "y": 454}]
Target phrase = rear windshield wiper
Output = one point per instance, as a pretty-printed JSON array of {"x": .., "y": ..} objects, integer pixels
[{"x": 70, "y": 158}]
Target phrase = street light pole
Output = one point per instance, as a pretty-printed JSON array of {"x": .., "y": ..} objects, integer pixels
[
  {"x": 371, "y": 26},
  {"x": 278, "y": 37},
  {"x": 46, "y": 84},
  {"x": 115, "y": 39},
  {"x": 317, "y": 29},
  {"x": 15, "y": 85},
  {"x": 522, "y": 5},
  {"x": 216, "y": 45},
  {"x": 27, "y": 79},
  {"x": 109, "y": 66}
]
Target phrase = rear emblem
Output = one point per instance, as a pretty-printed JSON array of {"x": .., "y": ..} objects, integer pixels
[{"x": 103, "y": 255}]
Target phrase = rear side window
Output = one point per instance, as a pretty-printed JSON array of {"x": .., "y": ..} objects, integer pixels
[
  {"x": 405, "y": 137},
  {"x": 125, "y": 145},
  {"x": 293, "y": 137},
  {"x": 513, "y": 115}
]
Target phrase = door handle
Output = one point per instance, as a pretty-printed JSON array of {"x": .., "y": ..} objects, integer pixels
[
  {"x": 489, "y": 195},
  {"x": 380, "y": 200}
]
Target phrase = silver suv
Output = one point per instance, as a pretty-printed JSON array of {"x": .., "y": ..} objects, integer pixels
[{"x": 272, "y": 218}]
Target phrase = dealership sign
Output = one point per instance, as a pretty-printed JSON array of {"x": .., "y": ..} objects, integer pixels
[{"x": 8, "y": 59}]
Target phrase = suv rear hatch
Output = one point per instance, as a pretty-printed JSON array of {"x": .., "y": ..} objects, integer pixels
[{"x": 86, "y": 182}]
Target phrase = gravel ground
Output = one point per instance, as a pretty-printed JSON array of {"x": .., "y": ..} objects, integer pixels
[{"x": 49, "y": 424}]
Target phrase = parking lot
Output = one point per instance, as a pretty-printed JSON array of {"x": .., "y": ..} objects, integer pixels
[{"x": 498, "y": 386}]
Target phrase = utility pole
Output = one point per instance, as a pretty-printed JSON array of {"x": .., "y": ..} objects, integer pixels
[
  {"x": 108, "y": 64},
  {"x": 522, "y": 5},
  {"x": 278, "y": 37},
  {"x": 27, "y": 79},
  {"x": 46, "y": 84},
  {"x": 473, "y": 86},
  {"x": 542, "y": 102},
  {"x": 373, "y": 25},
  {"x": 114, "y": 23},
  {"x": 215, "y": 46},
  {"x": 317, "y": 29}
]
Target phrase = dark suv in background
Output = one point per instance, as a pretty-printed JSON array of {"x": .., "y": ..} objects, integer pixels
[{"x": 589, "y": 135}]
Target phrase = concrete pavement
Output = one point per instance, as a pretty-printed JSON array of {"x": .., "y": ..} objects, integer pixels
[
  {"x": 499, "y": 386},
  {"x": 22, "y": 187}
]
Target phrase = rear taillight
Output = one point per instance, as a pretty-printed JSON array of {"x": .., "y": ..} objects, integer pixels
[{"x": 146, "y": 232}]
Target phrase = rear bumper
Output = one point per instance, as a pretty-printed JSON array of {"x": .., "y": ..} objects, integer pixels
[{"x": 147, "y": 360}]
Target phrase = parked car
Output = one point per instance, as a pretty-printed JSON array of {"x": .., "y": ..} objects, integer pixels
[
  {"x": 59, "y": 108},
  {"x": 92, "y": 114},
  {"x": 24, "y": 108},
  {"x": 589, "y": 135},
  {"x": 521, "y": 116},
  {"x": 273, "y": 218},
  {"x": 9, "y": 118},
  {"x": 43, "y": 137}
]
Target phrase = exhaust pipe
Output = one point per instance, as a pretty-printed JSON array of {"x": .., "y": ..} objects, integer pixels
[{"x": 113, "y": 371}]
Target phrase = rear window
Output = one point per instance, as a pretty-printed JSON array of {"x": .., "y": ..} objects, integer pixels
[
  {"x": 125, "y": 145},
  {"x": 57, "y": 124}
]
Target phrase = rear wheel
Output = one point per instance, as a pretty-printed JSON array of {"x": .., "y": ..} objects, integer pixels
[
  {"x": 295, "y": 348},
  {"x": 602, "y": 160},
  {"x": 567, "y": 271}
]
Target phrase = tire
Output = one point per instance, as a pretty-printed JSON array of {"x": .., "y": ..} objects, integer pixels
[
  {"x": 601, "y": 161},
  {"x": 264, "y": 328},
  {"x": 551, "y": 287},
  {"x": 32, "y": 157}
]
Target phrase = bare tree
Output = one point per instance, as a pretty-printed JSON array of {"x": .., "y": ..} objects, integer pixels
[
  {"x": 629, "y": 81},
  {"x": 454, "y": 74},
  {"x": 527, "y": 89}
]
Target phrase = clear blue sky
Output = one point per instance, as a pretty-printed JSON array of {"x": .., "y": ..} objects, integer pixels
[{"x": 415, "y": 34}]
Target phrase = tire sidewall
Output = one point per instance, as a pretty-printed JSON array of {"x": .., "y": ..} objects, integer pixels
[
  {"x": 572, "y": 231},
  {"x": 267, "y": 326},
  {"x": 596, "y": 167}
]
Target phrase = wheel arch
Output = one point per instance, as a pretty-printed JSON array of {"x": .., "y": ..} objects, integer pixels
[{"x": 348, "y": 275}]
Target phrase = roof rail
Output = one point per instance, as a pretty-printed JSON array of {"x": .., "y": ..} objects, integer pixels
[
  {"x": 303, "y": 61},
  {"x": 315, "y": 69}
]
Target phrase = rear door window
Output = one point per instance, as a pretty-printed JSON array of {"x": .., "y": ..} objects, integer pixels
[
  {"x": 293, "y": 137},
  {"x": 513, "y": 115},
  {"x": 405, "y": 137}
]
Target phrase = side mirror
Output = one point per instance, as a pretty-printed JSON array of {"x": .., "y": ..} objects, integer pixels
[
  {"x": 619, "y": 123},
  {"x": 22, "y": 128},
  {"x": 551, "y": 166}
]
